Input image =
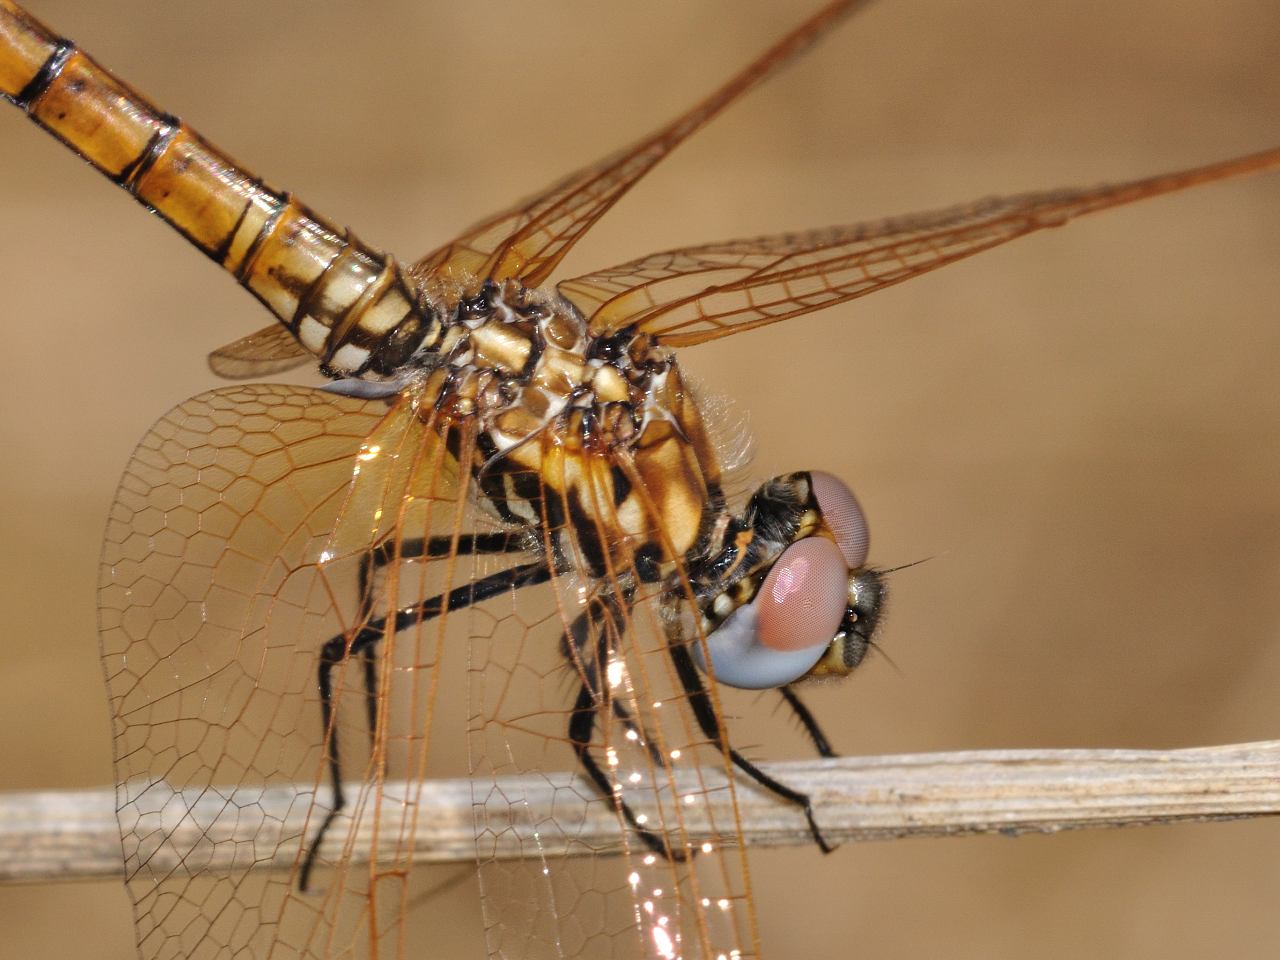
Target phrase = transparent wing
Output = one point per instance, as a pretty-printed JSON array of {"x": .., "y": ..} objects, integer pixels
[
  {"x": 242, "y": 654},
  {"x": 246, "y": 633},
  {"x": 586, "y": 673},
  {"x": 272, "y": 349},
  {"x": 696, "y": 294},
  {"x": 528, "y": 240}
]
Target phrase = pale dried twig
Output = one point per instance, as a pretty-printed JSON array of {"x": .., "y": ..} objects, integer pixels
[{"x": 74, "y": 835}]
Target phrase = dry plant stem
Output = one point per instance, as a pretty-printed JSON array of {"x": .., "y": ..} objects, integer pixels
[{"x": 73, "y": 835}]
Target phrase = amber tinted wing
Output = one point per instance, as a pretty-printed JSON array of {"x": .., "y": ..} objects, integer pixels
[
  {"x": 696, "y": 294},
  {"x": 231, "y": 563},
  {"x": 528, "y": 240},
  {"x": 618, "y": 689},
  {"x": 259, "y": 354}
]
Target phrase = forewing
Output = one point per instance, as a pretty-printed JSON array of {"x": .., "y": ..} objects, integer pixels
[
  {"x": 259, "y": 354},
  {"x": 696, "y": 294},
  {"x": 594, "y": 654},
  {"x": 232, "y": 557},
  {"x": 528, "y": 240}
]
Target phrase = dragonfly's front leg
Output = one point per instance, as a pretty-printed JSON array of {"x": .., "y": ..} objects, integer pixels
[
  {"x": 704, "y": 712},
  {"x": 808, "y": 722}
]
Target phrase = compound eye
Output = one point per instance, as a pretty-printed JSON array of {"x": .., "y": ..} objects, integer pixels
[
  {"x": 779, "y": 636},
  {"x": 842, "y": 514},
  {"x": 803, "y": 599}
]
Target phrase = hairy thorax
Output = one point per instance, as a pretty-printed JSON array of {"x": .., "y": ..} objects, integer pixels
[{"x": 595, "y": 440}]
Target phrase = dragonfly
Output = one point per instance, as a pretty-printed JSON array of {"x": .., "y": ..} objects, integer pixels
[{"x": 284, "y": 565}]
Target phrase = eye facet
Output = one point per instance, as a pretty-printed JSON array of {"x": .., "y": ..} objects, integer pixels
[
  {"x": 842, "y": 514},
  {"x": 803, "y": 599},
  {"x": 740, "y": 660},
  {"x": 780, "y": 635}
]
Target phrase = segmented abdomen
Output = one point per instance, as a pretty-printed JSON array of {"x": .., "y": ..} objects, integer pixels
[{"x": 347, "y": 303}]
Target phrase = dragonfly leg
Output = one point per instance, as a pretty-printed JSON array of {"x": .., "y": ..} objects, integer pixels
[
  {"x": 340, "y": 648},
  {"x": 468, "y": 544},
  {"x": 582, "y": 722},
  {"x": 369, "y": 563},
  {"x": 575, "y": 647},
  {"x": 808, "y": 721},
  {"x": 629, "y": 723},
  {"x": 388, "y": 552},
  {"x": 705, "y": 714},
  {"x": 581, "y": 734}
]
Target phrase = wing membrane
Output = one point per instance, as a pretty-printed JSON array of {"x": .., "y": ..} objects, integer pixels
[
  {"x": 233, "y": 568},
  {"x": 272, "y": 349},
  {"x": 528, "y": 240},
  {"x": 619, "y": 703},
  {"x": 231, "y": 565},
  {"x": 695, "y": 294}
]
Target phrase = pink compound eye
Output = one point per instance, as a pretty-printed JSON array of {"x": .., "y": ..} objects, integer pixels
[
  {"x": 803, "y": 599},
  {"x": 843, "y": 515}
]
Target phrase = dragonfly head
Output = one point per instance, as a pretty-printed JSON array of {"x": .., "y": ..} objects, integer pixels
[
  {"x": 793, "y": 598},
  {"x": 867, "y": 593}
]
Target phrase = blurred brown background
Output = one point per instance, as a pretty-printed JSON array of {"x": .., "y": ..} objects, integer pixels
[{"x": 1083, "y": 430}]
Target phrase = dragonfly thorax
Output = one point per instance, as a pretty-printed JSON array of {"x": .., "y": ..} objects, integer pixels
[{"x": 595, "y": 438}]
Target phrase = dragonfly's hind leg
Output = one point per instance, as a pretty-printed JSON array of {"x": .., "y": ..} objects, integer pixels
[
  {"x": 390, "y": 551},
  {"x": 334, "y": 652},
  {"x": 363, "y": 644},
  {"x": 705, "y": 713}
]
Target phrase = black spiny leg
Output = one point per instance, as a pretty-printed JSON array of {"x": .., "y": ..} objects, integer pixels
[
  {"x": 369, "y": 563},
  {"x": 331, "y": 654},
  {"x": 338, "y": 649},
  {"x": 808, "y": 721},
  {"x": 582, "y": 724},
  {"x": 700, "y": 702},
  {"x": 581, "y": 733},
  {"x": 388, "y": 552}
]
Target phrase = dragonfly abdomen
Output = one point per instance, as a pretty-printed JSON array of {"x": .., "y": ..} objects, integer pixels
[{"x": 347, "y": 303}]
